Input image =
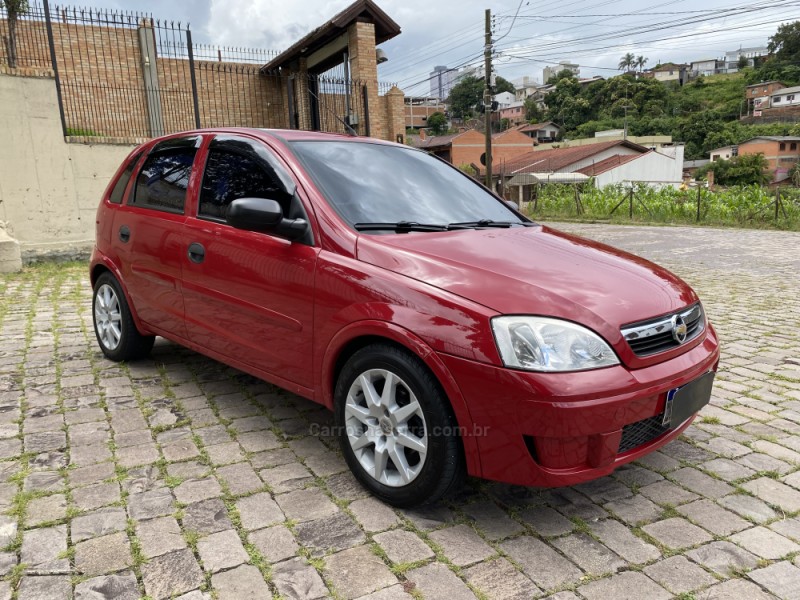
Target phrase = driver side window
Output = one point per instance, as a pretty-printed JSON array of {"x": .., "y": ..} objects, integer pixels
[{"x": 232, "y": 173}]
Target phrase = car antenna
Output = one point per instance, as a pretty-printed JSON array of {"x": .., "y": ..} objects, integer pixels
[{"x": 352, "y": 132}]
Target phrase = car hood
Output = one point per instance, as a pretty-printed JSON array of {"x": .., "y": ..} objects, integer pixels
[{"x": 534, "y": 270}]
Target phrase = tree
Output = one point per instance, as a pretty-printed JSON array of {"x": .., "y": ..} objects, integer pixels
[
  {"x": 745, "y": 169},
  {"x": 533, "y": 113},
  {"x": 742, "y": 62},
  {"x": 437, "y": 123},
  {"x": 468, "y": 93},
  {"x": 641, "y": 61},
  {"x": 627, "y": 62},
  {"x": 14, "y": 8},
  {"x": 785, "y": 44}
]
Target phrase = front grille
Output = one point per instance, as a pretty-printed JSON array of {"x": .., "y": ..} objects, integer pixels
[
  {"x": 656, "y": 335},
  {"x": 641, "y": 432}
]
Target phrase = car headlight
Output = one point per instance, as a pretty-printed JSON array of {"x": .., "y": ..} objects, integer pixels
[{"x": 544, "y": 344}]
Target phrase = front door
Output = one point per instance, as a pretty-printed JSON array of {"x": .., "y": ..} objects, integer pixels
[{"x": 248, "y": 296}]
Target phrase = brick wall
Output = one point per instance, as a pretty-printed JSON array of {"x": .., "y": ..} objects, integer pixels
[{"x": 104, "y": 93}]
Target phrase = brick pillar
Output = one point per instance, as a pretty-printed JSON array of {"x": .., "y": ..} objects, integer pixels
[
  {"x": 395, "y": 114},
  {"x": 302, "y": 100},
  {"x": 364, "y": 67}
]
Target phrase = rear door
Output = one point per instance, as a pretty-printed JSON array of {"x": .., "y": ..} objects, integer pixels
[
  {"x": 148, "y": 234},
  {"x": 248, "y": 296}
]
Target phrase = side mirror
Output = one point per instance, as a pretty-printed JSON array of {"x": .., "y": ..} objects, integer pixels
[{"x": 264, "y": 215}]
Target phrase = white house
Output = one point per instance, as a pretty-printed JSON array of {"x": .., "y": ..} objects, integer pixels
[
  {"x": 786, "y": 97},
  {"x": 656, "y": 168},
  {"x": 504, "y": 99},
  {"x": 724, "y": 153}
]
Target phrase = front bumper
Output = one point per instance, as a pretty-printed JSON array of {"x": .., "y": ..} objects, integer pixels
[{"x": 557, "y": 429}]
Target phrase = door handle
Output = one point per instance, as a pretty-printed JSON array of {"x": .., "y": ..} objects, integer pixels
[
  {"x": 197, "y": 253},
  {"x": 124, "y": 234}
]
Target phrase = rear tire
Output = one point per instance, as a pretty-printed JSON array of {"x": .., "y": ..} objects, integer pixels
[
  {"x": 396, "y": 428},
  {"x": 113, "y": 322}
]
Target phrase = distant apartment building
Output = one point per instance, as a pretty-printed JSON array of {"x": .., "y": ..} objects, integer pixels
[
  {"x": 504, "y": 100},
  {"x": 751, "y": 54},
  {"x": 442, "y": 80},
  {"x": 564, "y": 65}
]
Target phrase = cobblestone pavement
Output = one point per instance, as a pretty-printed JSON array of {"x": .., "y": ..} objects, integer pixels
[{"x": 179, "y": 477}]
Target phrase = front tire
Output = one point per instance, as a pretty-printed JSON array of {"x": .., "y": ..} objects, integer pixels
[
  {"x": 113, "y": 322},
  {"x": 396, "y": 427}
]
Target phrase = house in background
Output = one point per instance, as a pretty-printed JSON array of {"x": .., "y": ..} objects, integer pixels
[
  {"x": 758, "y": 96},
  {"x": 750, "y": 54},
  {"x": 418, "y": 109},
  {"x": 515, "y": 113},
  {"x": 708, "y": 66},
  {"x": 612, "y": 162},
  {"x": 781, "y": 151},
  {"x": 541, "y": 132},
  {"x": 788, "y": 96},
  {"x": 670, "y": 72},
  {"x": 724, "y": 153},
  {"x": 467, "y": 147},
  {"x": 504, "y": 99}
]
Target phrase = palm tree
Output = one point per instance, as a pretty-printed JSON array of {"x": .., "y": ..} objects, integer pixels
[
  {"x": 641, "y": 61},
  {"x": 627, "y": 62}
]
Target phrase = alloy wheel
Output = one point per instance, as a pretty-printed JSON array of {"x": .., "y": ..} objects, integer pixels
[
  {"x": 386, "y": 428},
  {"x": 107, "y": 317}
]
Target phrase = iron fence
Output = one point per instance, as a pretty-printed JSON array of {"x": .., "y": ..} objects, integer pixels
[
  {"x": 128, "y": 75},
  {"x": 31, "y": 38}
]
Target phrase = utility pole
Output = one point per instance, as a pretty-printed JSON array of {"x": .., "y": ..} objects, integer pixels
[{"x": 487, "y": 96}]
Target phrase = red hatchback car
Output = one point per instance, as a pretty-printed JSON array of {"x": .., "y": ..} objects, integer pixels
[{"x": 449, "y": 333}]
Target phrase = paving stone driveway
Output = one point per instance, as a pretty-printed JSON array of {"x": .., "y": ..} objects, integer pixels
[{"x": 179, "y": 477}]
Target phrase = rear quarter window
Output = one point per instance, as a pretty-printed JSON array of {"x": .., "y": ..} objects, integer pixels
[{"x": 117, "y": 194}]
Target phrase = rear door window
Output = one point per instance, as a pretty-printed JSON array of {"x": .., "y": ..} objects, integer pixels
[{"x": 164, "y": 178}]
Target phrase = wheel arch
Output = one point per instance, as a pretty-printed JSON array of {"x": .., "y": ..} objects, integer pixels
[
  {"x": 106, "y": 266},
  {"x": 363, "y": 333}
]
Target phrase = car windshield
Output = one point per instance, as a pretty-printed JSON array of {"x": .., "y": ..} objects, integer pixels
[{"x": 376, "y": 184}]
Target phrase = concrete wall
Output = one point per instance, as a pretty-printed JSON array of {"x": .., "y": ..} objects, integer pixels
[{"x": 49, "y": 189}]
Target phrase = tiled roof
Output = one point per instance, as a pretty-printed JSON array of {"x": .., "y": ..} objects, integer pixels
[
  {"x": 436, "y": 141},
  {"x": 607, "y": 164},
  {"x": 535, "y": 126},
  {"x": 556, "y": 159}
]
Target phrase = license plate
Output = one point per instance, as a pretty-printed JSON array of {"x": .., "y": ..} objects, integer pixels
[{"x": 684, "y": 401}]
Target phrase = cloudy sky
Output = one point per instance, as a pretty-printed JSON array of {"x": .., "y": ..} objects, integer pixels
[{"x": 592, "y": 33}]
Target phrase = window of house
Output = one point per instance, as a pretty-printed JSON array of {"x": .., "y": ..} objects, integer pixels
[
  {"x": 790, "y": 97},
  {"x": 117, "y": 193},
  {"x": 776, "y": 99},
  {"x": 164, "y": 178},
  {"x": 233, "y": 171},
  {"x": 782, "y": 147},
  {"x": 793, "y": 146}
]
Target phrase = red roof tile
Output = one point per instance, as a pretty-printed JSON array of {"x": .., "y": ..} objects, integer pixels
[
  {"x": 607, "y": 164},
  {"x": 556, "y": 159}
]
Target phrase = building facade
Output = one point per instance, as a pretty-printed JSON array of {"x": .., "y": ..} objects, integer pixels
[
  {"x": 442, "y": 80},
  {"x": 564, "y": 65}
]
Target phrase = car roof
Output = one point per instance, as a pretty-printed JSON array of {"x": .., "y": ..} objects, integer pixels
[{"x": 284, "y": 135}]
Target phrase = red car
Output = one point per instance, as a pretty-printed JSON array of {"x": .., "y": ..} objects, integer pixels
[{"x": 449, "y": 334}]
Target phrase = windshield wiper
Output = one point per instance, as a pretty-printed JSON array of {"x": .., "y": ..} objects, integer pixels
[
  {"x": 400, "y": 227},
  {"x": 484, "y": 223}
]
